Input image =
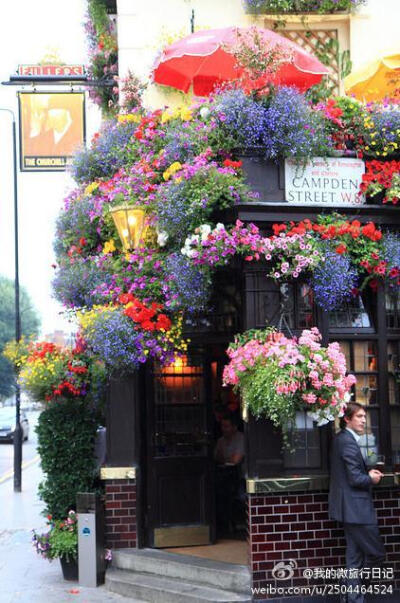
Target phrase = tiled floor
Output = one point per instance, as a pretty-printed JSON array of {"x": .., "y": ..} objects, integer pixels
[{"x": 231, "y": 551}]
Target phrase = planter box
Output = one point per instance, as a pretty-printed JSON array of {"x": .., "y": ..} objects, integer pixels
[
  {"x": 298, "y": 8},
  {"x": 265, "y": 177}
]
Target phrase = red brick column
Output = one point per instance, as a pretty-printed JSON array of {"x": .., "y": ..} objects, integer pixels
[
  {"x": 120, "y": 513},
  {"x": 296, "y": 526}
]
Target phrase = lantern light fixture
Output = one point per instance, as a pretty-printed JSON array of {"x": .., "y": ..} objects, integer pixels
[{"x": 130, "y": 223}]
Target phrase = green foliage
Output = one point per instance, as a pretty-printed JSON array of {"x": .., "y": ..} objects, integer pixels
[
  {"x": 103, "y": 55},
  {"x": 66, "y": 437},
  {"x": 60, "y": 540},
  {"x": 324, "y": 51},
  {"x": 30, "y": 323},
  {"x": 97, "y": 10},
  {"x": 63, "y": 540}
]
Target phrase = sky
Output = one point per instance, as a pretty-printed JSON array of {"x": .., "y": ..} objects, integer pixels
[{"x": 28, "y": 31}]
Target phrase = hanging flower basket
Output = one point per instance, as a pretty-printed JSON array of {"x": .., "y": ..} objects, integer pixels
[{"x": 278, "y": 376}]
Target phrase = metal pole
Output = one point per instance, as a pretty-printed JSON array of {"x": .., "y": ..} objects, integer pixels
[
  {"x": 192, "y": 22},
  {"x": 18, "y": 429}
]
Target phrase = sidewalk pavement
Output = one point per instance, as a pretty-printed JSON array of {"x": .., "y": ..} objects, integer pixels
[{"x": 24, "y": 576}]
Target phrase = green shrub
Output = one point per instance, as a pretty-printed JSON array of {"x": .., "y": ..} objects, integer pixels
[{"x": 66, "y": 436}]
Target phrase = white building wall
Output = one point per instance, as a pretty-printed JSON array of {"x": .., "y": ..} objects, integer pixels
[{"x": 375, "y": 31}]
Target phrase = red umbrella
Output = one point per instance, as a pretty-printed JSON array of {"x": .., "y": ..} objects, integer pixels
[{"x": 202, "y": 59}]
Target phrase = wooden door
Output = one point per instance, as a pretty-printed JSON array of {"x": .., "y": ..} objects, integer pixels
[{"x": 180, "y": 492}]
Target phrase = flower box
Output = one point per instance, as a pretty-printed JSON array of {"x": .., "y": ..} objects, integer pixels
[
  {"x": 283, "y": 8},
  {"x": 264, "y": 176}
]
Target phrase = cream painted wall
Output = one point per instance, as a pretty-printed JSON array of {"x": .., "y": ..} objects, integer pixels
[
  {"x": 145, "y": 25},
  {"x": 375, "y": 31}
]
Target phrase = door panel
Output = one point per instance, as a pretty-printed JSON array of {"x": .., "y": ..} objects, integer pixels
[{"x": 180, "y": 494}]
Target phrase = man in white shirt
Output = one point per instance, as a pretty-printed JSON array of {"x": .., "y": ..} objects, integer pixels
[
  {"x": 230, "y": 446},
  {"x": 350, "y": 499}
]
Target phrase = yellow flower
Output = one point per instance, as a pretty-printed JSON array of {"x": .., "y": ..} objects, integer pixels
[
  {"x": 166, "y": 116},
  {"x": 186, "y": 114},
  {"x": 130, "y": 118},
  {"x": 91, "y": 187},
  {"x": 174, "y": 167},
  {"x": 109, "y": 246}
]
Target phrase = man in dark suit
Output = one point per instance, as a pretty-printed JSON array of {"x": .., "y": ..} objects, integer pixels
[{"x": 350, "y": 498}]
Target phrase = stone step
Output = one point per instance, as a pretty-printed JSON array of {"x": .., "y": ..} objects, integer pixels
[
  {"x": 227, "y": 576},
  {"x": 159, "y": 589}
]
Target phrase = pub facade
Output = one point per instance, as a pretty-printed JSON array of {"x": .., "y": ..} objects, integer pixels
[
  {"x": 161, "y": 479},
  {"x": 160, "y": 476}
]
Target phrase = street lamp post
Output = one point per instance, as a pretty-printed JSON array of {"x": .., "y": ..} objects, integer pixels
[{"x": 18, "y": 429}]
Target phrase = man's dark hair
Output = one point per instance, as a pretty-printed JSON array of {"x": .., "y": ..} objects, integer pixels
[{"x": 351, "y": 409}]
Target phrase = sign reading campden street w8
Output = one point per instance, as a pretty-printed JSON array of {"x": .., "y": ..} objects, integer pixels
[{"x": 333, "y": 181}]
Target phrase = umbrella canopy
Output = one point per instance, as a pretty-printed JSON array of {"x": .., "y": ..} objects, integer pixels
[
  {"x": 375, "y": 81},
  {"x": 202, "y": 60}
]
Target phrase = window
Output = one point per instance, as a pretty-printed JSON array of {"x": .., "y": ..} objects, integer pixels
[
  {"x": 288, "y": 306},
  {"x": 352, "y": 314},
  {"x": 180, "y": 410},
  {"x": 392, "y": 306},
  {"x": 305, "y": 442},
  {"x": 362, "y": 361}
]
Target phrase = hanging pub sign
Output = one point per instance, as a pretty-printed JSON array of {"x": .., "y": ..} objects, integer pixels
[
  {"x": 52, "y": 127},
  {"x": 333, "y": 181}
]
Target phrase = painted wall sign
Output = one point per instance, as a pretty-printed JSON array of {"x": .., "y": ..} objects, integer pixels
[
  {"x": 52, "y": 127},
  {"x": 333, "y": 181},
  {"x": 49, "y": 70}
]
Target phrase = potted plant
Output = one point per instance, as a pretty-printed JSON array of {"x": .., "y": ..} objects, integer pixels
[
  {"x": 60, "y": 541},
  {"x": 278, "y": 376}
]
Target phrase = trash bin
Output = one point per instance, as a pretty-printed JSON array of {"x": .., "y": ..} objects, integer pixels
[{"x": 91, "y": 563}]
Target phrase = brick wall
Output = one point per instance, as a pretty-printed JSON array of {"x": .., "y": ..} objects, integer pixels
[
  {"x": 120, "y": 513},
  {"x": 296, "y": 526}
]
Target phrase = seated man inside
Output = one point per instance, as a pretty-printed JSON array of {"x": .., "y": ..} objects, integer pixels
[{"x": 229, "y": 454}]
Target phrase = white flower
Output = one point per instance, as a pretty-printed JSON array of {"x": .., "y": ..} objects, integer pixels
[
  {"x": 162, "y": 238},
  {"x": 220, "y": 226},
  {"x": 204, "y": 112},
  {"x": 204, "y": 230}
]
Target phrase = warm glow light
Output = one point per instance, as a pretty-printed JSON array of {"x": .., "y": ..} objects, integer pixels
[
  {"x": 178, "y": 366},
  {"x": 130, "y": 223}
]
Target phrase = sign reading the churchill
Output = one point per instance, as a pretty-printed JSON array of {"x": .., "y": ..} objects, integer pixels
[{"x": 52, "y": 127}]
